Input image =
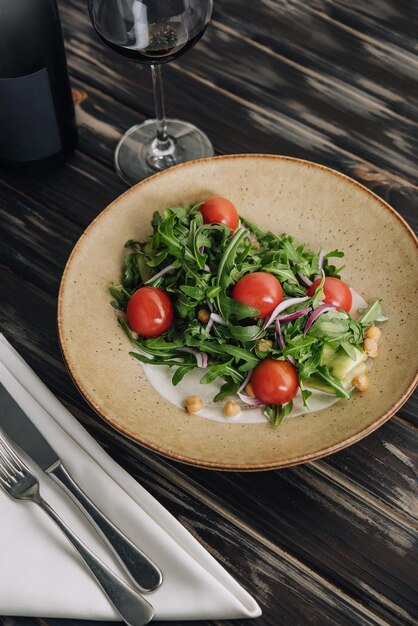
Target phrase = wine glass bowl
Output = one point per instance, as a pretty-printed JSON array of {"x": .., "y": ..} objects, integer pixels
[{"x": 154, "y": 32}]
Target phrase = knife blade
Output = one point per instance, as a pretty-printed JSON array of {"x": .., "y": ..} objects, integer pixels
[{"x": 22, "y": 431}]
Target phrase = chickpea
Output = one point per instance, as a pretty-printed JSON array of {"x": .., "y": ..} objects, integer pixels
[
  {"x": 203, "y": 315},
  {"x": 264, "y": 344},
  {"x": 194, "y": 404},
  {"x": 249, "y": 390},
  {"x": 231, "y": 409},
  {"x": 370, "y": 348},
  {"x": 361, "y": 382},
  {"x": 373, "y": 333}
]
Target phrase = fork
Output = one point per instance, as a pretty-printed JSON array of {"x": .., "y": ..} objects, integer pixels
[{"x": 18, "y": 481}]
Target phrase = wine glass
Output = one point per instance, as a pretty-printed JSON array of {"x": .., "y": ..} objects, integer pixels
[{"x": 153, "y": 32}]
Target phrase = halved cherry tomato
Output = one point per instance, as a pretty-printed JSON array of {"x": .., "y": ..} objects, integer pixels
[
  {"x": 150, "y": 312},
  {"x": 219, "y": 210},
  {"x": 275, "y": 382},
  {"x": 337, "y": 293},
  {"x": 260, "y": 290}
]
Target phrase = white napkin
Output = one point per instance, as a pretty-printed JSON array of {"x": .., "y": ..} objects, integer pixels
[{"x": 41, "y": 574}]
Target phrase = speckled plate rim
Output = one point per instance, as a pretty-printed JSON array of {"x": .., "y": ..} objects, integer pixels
[{"x": 364, "y": 432}]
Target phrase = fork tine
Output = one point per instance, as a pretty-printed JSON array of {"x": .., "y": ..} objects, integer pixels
[
  {"x": 6, "y": 468},
  {"x": 11, "y": 456},
  {"x": 5, "y": 475},
  {"x": 6, "y": 462},
  {"x": 3, "y": 481}
]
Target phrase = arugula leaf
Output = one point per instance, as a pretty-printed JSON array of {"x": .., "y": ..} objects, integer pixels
[
  {"x": 181, "y": 372},
  {"x": 373, "y": 313},
  {"x": 120, "y": 295},
  {"x": 324, "y": 374},
  {"x": 275, "y": 413},
  {"x": 222, "y": 369},
  {"x": 229, "y": 388}
]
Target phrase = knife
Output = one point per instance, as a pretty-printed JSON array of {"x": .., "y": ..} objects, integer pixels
[{"x": 18, "y": 426}]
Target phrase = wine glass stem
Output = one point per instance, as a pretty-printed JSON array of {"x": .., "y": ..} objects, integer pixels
[{"x": 157, "y": 84}]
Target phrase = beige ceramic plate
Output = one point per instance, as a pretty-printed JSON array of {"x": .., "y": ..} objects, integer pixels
[{"x": 317, "y": 205}]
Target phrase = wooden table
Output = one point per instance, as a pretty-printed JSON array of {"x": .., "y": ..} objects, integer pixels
[{"x": 333, "y": 81}]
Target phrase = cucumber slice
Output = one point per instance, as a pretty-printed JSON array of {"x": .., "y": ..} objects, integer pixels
[
  {"x": 358, "y": 370},
  {"x": 342, "y": 365},
  {"x": 327, "y": 354}
]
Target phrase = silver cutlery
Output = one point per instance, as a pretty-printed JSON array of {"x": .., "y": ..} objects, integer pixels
[
  {"x": 21, "y": 430},
  {"x": 18, "y": 481}
]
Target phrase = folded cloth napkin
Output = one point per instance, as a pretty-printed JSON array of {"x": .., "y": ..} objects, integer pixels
[{"x": 41, "y": 574}]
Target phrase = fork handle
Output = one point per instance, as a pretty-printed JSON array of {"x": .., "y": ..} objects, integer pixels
[
  {"x": 143, "y": 572},
  {"x": 133, "y": 608}
]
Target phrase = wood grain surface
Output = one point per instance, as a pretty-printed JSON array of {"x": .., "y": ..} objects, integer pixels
[{"x": 333, "y": 542}]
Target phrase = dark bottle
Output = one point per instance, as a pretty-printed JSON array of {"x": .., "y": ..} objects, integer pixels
[{"x": 37, "y": 122}]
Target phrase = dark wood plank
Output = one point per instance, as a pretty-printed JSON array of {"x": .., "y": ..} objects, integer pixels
[
  {"x": 372, "y": 131},
  {"x": 299, "y": 31},
  {"x": 384, "y": 465},
  {"x": 78, "y": 190},
  {"x": 36, "y": 242},
  {"x": 101, "y": 121},
  {"x": 388, "y": 20},
  {"x": 326, "y": 522}
]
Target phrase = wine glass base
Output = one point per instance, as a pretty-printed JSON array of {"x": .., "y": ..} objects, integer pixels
[{"x": 136, "y": 156}]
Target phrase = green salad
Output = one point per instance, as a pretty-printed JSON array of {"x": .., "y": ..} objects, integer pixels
[{"x": 265, "y": 314}]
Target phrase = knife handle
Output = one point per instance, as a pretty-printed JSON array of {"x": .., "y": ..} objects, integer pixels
[
  {"x": 131, "y": 606},
  {"x": 143, "y": 572}
]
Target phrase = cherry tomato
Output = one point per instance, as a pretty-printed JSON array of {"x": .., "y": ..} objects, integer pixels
[
  {"x": 260, "y": 290},
  {"x": 150, "y": 312},
  {"x": 337, "y": 293},
  {"x": 275, "y": 382},
  {"x": 219, "y": 210}
]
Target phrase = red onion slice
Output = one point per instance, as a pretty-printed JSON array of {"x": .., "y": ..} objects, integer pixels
[
  {"x": 322, "y": 308},
  {"x": 167, "y": 269},
  {"x": 201, "y": 357},
  {"x": 245, "y": 381},
  {"x": 279, "y": 308},
  {"x": 249, "y": 400},
  {"x": 243, "y": 396},
  {"x": 279, "y": 334},
  {"x": 218, "y": 318},
  {"x": 358, "y": 303},
  {"x": 304, "y": 279},
  {"x": 294, "y": 316},
  {"x": 214, "y": 317}
]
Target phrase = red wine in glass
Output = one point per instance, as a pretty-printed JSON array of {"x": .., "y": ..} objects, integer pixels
[{"x": 153, "y": 32}]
